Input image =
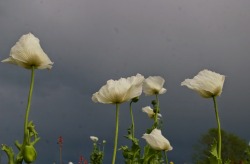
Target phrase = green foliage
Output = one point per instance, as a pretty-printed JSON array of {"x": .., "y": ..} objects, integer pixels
[
  {"x": 27, "y": 151},
  {"x": 131, "y": 155},
  {"x": 151, "y": 156},
  {"x": 247, "y": 155},
  {"x": 214, "y": 156},
  {"x": 97, "y": 154},
  {"x": 233, "y": 148}
]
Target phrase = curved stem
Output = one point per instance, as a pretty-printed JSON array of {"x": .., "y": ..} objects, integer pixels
[
  {"x": 132, "y": 120},
  {"x": 10, "y": 153},
  {"x": 116, "y": 133},
  {"x": 26, "y": 121},
  {"x": 219, "y": 128}
]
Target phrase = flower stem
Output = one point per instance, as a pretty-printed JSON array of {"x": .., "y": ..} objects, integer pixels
[
  {"x": 132, "y": 120},
  {"x": 166, "y": 157},
  {"x": 157, "y": 111},
  {"x": 60, "y": 153},
  {"x": 26, "y": 137},
  {"x": 103, "y": 149},
  {"x": 116, "y": 133},
  {"x": 219, "y": 128}
]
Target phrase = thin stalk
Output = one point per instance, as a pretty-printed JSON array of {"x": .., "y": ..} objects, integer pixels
[
  {"x": 132, "y": 120},
  {"x": 157, "y": 110},
  {"x": 116, "y": 133},
  {"x": 26, "y": 138},
  {"x": 103, "y": 149},
  {"x": 60, "y": 151},
  {"x": 165, "y": 156},
  {"x": 219, "y": 128}
]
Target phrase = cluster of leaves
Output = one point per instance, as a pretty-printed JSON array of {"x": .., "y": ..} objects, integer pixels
[
  {"x": 27, "y": 151},
  {"x": 132, "y": 155},
  {"x": 97, "y": 154}
]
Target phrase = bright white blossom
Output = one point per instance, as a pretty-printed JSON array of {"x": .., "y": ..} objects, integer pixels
[
  {"x": 153, "y": 85},
  {"x": 150, "y": 112},
  {"x": 207, "y": 83},
  {"x": 157, "y": 141},
  {"x": 27, "y": 52},
  {"x": 119, "y": 91},
  {"x": 94, "y": 138},
  {"x": 70, "y": 162}
]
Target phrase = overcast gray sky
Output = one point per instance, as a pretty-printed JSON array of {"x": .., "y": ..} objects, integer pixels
[{"x": 92, "y": 41}]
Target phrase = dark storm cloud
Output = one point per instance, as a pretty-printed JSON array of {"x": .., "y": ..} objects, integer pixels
[{"x": 93, "y": 41}]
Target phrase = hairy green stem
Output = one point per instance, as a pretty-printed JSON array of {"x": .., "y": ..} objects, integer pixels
[
  {"x": 116, "y": 133},
  {"x": 219, "y": 128},
  {"x": 132, "y": 120},
  {"x": 26, "y": 121}
]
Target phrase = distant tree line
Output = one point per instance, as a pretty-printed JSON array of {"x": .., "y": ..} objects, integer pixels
[{"x": 234, "y": 149}]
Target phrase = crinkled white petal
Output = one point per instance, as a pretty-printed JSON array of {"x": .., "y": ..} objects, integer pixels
[
  {"x": 206, "y": 83},
  {"x": 119, "y": 91},
  {"x": 27, "y": 52},
  {"x": 154, "y": 85},
  {"x": 94, "y": 97},
  {"x": 113, "y": 91},
  {"x": 136, "y": 86},
  {"x": 157, "y": 141},
  {"x": 149, "y": 111},
  {"x": 136, "y": 80}
]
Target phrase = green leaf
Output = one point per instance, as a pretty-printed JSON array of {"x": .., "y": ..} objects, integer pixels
[
  {"x": 213, "y": 150},
  {"x": 151, "y": 156},
  {"x": 214, "y": 158},
  {"x": 132, "y": 154}
]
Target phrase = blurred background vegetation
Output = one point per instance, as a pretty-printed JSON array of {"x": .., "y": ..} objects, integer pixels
[{"x": 234, "y": 148}]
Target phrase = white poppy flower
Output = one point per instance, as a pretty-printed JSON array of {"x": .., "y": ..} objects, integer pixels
[
  {"x": 207, "y": 83},
  {"x": 119, "y": 91},
  {"x": 27, "y": 52},
  {"x": 157, "y": 141},
  {"x": 94, "y": 138},
  {"x": 153, "y": 85},
  {"x": 70, "y": 162},
  {"x": 150, "y": 112}
]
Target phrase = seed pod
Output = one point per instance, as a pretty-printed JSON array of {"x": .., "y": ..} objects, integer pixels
[{"x": 29, "y": 154}]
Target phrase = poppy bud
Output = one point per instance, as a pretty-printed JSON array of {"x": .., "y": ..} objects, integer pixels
[
  {"x": 153, "y": 102},
  {"x": 29, "y": 154},
  {"x": 135, "y": 99}
]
